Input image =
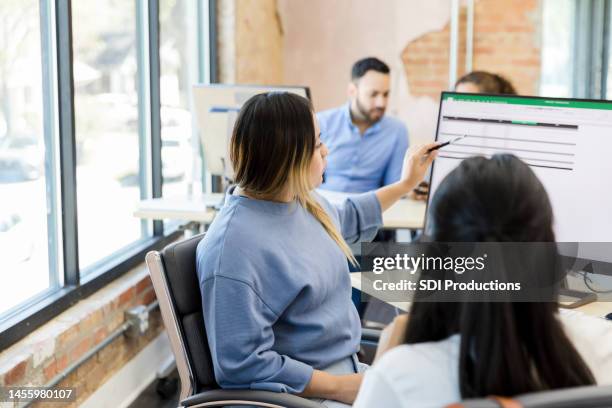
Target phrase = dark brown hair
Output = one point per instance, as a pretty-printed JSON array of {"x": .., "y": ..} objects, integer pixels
[
  {"x": 488, "y": 83},
  {"x": 507, "y": 348},
  {"x": 272, "y": 145},
  {"x": 361, "y": 67}
]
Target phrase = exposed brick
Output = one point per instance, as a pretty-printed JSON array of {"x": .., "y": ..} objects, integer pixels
[
  {"x": 98, "y": 376},
  {"x": 126, "y": 297},
  {"x": 84, "y": 370},
  {"x": 91, "y": 322},
  {"x": 61, "y": 363},
  {"x": 144, "y": 284},
  {"x": 81, "y": 348},
  {"x": 43, "y": 351},
  {"x": 505, "y": 42},
  {"x": 148, "y": 297},
  {"x": 68, "y": 336},
  {"x": 15, "y": 375},
  {"x": 100, "y": 335},
  {"x": 111, "y": 352},
  {"x": 115, "y": 321}
]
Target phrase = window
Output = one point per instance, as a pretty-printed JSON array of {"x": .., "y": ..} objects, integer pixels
[
  {"x": 106, "y": 76},
  {"x": 178, "y": 53},
  {"x": 80, "y": 80},
  {"x": 557, "y": 51},
  {"x": 24, "y": 229},
  {"x": 608, "y": 49},
  {"x": 576, "y": 45}
]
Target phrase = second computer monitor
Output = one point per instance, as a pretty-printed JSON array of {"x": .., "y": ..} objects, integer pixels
[
  {"x": 216, "y": 108},
  {"x": 566, "y": 142}
]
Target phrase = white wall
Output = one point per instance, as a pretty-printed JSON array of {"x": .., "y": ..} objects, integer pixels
[{"x": 323, "y": 38}]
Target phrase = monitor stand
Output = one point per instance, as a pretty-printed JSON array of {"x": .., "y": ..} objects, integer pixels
[{"x": 571, "y": 299}]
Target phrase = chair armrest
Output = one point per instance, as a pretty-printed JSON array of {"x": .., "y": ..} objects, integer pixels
[
  {"x": 219, "y": 398},
  {"x": 370, "y": 335}
]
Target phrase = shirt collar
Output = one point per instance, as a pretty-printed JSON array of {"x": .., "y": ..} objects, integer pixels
[{"x": 347, "y": 115}]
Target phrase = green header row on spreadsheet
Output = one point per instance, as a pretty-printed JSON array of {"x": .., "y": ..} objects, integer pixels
[{"x": 517, "y": 100}]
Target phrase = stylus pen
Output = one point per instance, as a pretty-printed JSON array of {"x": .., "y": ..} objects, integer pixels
[{"x": 445, "y": 144}]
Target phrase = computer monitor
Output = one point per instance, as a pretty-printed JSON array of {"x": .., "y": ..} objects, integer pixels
[
  {"x": 566, "y": 142},
  {"x": 216, "y": 108}
]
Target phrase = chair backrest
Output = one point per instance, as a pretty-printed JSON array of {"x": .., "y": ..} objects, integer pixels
[
  {"x": 174, "y": 277},
  {"x": 579, "y": 397}
]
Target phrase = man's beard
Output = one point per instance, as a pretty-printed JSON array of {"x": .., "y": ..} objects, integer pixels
[{"x": 367, "y": 115}]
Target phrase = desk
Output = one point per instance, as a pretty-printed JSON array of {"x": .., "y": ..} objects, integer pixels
[
  {"x": 356, "y": 283},
  {"x": 596, "y": 309},
  {"x": 199, "y": 208},
  {"x": 406, "y": 213}
]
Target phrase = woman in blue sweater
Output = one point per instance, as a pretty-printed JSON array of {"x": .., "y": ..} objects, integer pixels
[{"x": 273, "y": 269}]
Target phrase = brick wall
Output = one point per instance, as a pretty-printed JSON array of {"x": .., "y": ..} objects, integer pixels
[
  {"x": 249, "y": 42},
  {"x": 506, "y": 41},
  {"x": 38, "y": 358}
]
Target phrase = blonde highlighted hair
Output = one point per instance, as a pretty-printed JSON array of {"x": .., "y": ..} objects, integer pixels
[{"x": 271, "y": 148}]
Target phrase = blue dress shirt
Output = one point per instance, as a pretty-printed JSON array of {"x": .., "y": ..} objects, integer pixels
[{"x": 357, "y": 163}]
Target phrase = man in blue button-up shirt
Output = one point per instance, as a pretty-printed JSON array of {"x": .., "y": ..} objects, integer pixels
[{"x": 366, "y": 148}]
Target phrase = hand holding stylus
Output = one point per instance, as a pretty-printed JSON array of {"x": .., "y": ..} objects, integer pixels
[
  {"x": 445, "y": 143},
  {"x": 417, "y": 161}
]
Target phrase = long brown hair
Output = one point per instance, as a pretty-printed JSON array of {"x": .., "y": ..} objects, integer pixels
[
  {"x": 272, "y": 145},
  {"x": 507, "y": 348}
]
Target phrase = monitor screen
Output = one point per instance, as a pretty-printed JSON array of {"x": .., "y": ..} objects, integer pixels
[
  {"x": 566, "y": 142},
  {"x": 216, "y": 107}
]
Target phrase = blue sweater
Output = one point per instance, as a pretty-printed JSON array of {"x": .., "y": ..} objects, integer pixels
[{"x": 276, "y": 290}]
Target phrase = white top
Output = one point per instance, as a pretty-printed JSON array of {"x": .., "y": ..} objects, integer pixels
[
  {"x": 426, "y": 375},
  {"x": 418, "y": 375}
]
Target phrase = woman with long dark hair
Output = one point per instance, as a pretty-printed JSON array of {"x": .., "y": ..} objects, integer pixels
[
  {"x": 476, "y": 349},
  {"x": 273, "y": 265}
]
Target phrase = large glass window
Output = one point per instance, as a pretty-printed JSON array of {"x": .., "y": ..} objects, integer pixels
[
  {"x": 557, "y": 47},
  {"x": 24, "y": 254},
  {"x": 179, "y": 66},
  {"x": 608, "y": 59},
  {"x": 103, "y": 54},
  {"x": 107, "y": 126}
]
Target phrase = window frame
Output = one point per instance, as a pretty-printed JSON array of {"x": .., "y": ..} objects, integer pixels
[
  {"x": 591, "y": 48},
  {"x": 69, "y": 284}
]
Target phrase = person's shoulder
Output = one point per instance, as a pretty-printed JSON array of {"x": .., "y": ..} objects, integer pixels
[
  {"x": 222, "y": 239},
  {"x": 395, "y": 124},
  {"x": 407, "y": 359},
  {"x": 325, "y": 203},
  {"x": 426, "y": 372}
]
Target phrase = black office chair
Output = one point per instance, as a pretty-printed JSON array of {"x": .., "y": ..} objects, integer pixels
[
  {"x": 173, "y": 273},
  {"x": 579, "y": 397}
]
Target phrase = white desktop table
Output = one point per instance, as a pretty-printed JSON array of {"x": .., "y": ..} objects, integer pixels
[
  {"x": 197, "y": 208},
  {"x": 405, "y": 214}
]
